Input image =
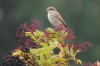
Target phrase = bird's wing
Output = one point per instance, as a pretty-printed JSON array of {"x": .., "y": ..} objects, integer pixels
[
  {"x": 67, "y": 29},
  {"x": 58, "y": 16}
]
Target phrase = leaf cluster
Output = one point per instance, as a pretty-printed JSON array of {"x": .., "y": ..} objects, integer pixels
[{"x": 44, "y": 54}]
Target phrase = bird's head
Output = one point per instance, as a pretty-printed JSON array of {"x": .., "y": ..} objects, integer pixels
[{"x": 51, "y": 9}]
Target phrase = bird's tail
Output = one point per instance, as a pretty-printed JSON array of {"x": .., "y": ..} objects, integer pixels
[{"x": 70, "y": 35}]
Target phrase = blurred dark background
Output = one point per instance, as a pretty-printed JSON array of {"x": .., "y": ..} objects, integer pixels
[{"x": 82, "y": 16}]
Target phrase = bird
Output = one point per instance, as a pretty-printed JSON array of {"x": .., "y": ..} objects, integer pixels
[{"x": 56, "y": 19}]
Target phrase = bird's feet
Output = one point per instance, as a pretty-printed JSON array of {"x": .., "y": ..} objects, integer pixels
[{"x": 59, "y": 27}]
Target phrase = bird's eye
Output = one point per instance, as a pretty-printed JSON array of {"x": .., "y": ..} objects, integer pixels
[{"x": 51, "y": 9}]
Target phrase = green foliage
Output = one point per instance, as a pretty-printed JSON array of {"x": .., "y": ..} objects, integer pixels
[{"x": 44, "y": 54}]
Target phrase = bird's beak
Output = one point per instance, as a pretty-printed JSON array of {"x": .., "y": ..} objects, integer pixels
[{"x": 47, "y": 9}]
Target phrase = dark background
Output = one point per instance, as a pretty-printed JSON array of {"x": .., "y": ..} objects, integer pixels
[{"x": 82, "y": 16}]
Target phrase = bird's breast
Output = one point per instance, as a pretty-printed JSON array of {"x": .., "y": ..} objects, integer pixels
[{"x": 53, "y": 20}]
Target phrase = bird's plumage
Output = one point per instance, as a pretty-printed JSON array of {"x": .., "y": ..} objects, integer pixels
[
  {"x": 53, "y": 20},
  {"x": 58, "y": 16},
  {"x": 55, "y": 17},
  {"x": 56, "y": 20}
]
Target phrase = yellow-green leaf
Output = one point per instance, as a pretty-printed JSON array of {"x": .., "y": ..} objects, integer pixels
[
  {"x": 17, "y": 52},
  {"x": 50, "y": 30},
  {"x": 79, "y": 61},
  {"x": 39, "y": 33}
]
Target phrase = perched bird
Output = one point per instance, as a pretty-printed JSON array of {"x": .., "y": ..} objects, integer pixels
[
  {"x": 55, "y": 17},
  {"x": 56, "y": 20}
]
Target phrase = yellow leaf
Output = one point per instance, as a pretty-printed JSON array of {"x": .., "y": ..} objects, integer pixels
[
  {"x": 78, "y": 51},
  {"x": 61, "y": 59},
  {"x": 79, "y": 61},
  {"x": 17, "y": 52},
  {"x": 39, "y": 33},
  {"x": 31, "y": 35},
  {"x": 56, "y": 42},
  {"x": 50, "y": 30}
]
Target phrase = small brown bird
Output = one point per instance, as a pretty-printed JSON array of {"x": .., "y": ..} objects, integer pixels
[
  {"x": 54, "y": 17},
  {"x": 56, "y": 20}
]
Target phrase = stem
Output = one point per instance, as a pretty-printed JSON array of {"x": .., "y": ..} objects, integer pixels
[
  {"x": 34, "y": 35},
  {"x": 33, "y": 62},
  {"x": 76, "y": 62},
  {"x": 44, "y": 56}
]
